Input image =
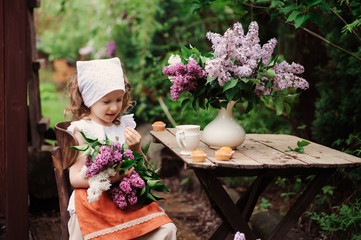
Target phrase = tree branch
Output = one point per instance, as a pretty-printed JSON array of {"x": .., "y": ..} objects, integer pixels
[
  {"x": 167, "y": 113},
  {"x": 344, "y": 21},
  {"x": 312, "y": 33}
]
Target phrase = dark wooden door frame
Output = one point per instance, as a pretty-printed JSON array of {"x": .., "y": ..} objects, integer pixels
[{"x": 14, "y": 66}]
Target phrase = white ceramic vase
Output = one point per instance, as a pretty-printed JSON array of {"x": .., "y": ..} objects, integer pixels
[{"x": 224, "y": 130}]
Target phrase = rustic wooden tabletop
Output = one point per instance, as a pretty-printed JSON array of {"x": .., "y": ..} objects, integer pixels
[
  {"x": 262, "y": 156},
  {"x": 265, "y": 151}
]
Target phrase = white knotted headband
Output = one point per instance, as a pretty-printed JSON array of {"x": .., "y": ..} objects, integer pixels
[{"x": 97, "y": 78}]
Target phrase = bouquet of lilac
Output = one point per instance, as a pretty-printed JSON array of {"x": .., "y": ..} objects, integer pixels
[
  {"x": 239, "y": 69},
  {"x": 104, "y": 159}
]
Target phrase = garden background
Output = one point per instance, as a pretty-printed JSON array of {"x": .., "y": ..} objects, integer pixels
[{"x": 323, "y": 36}]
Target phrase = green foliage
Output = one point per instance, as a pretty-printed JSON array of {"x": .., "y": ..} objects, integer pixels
[
  {"x": 343, "y": 223},
  {"x": 52, "y": 102},
  {"x": 264, "y": 204},
  {"x": 299, "y": 148}
]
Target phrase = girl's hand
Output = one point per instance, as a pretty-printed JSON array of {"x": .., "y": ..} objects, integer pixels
[
  {"x": 133, "y": 139},
  {"x": 118, "y": 177}
]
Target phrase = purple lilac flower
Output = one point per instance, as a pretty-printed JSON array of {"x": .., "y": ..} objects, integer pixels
[
  {"x": 267, "y": 51},
  {"x": 111, "y": 47},
  {"x": 136, "y": 181},
  {"x": 117, "y": 156},
  {"x": 236, "y": 54},
  {"x": 128, "y": 153},
  {"x": 119, "y": 198},
  {"x": 125, "y": 185},
  {"x": 126, "y": 191},
  {"x": 285, "y": 78},
  {"x": 117, "y": 146},
  {"x": 239, "y": 236},
  {"x": 88, "y": 161},
  {"x": 103, "y": 160},
  {"x": 132, "y": 198},
  {"x": 184, "y": 77}
]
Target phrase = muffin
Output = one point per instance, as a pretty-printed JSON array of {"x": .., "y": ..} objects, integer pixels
[
  {"x": 158, "y": 126},
  {"x": 223, "y": 155},
  {"x": 198, "y": 156},
  {"x": 227, "y": 149}
]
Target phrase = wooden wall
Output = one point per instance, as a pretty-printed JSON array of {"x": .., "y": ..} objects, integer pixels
[{"x": 14, "y": 53}]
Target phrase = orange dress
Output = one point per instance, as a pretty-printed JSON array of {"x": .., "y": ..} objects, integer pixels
[{"x": 102, "y": 220}]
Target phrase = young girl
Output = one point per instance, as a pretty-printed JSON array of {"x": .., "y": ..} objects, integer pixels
[{"x": 99, "y": 95}]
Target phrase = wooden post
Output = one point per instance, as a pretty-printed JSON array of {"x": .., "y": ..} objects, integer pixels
[
  {"x": 13, "y": 117},
  {"x": 2, "y": 118}
]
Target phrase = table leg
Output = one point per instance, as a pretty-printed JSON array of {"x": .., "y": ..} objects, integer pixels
[
  {"x": 247, "y": 202},
  {"x": 229, "y": 211},
  {"x": 301, "y": 204}
]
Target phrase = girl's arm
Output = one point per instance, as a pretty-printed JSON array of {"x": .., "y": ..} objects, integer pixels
[{"x": 76, "y": 180}]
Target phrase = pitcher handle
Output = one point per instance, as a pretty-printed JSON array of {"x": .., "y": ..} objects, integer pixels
[{"x": 181, "y": 138}]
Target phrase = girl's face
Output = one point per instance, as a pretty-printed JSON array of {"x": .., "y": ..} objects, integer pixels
[{"x": 106, "y": 109}]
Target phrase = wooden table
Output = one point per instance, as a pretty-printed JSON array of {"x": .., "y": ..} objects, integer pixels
[{"x": 263, "y": 156}]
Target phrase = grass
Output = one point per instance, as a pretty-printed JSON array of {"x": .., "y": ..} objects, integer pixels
[{"x": 53, "y": 100}]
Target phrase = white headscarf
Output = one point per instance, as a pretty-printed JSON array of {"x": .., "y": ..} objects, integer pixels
[{"x": 96, "y": 78}]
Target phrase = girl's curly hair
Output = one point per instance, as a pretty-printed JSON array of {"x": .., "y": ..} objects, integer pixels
[{"x": 77, "y": 108}]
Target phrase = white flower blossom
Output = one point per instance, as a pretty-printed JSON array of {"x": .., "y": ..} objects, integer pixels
[
  {"x": 98, "y": 183},
  {"x": 174, "y": 59}
]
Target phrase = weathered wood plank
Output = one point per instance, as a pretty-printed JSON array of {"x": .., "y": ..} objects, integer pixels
[
  {"x": 315, "y": 154},
  {"x": 167, "y": 138}
]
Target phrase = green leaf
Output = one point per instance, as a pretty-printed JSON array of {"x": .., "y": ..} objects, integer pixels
[
  {"x": 255, "y": 81},
  {"x": 152, "y": 183},
  {"x": 156, "y": 196},
  {"x": 184, "y": 103},
  {"x": 275, "y": 4},
  {"x": 231, "y": 93},
  {"x": 288, "y": 108},
  {"x": 302, "y": 143},
  {"x": 246, "y": 80},
  {"x": 185, "y": 51},
  {"x": 142, "y": 191},
  {"x": 301, "y": 19},
  {"x": 79, "y": 148},
  {"x": 324, "y": 6},
  {"x": 89, "y": 138},
  {"x": 289, "y": 8},
  {"x": 160, "y": 188},
  {"x": 126, "y": 164},
  {"x": 291, "y": 97},
  {"x": 209, "y": 79},
  {"x": 150, "y": 196},
  {"x": 185, "y": 180},
  {"x": 230, "y": 84},
  {"x": 293, "y": 16},
  {"x": 146, "y": 147},
  {"x": 311, "y": 3},
  {"x": 270, "y": 73},
  {"x": 279, "y": 106},
  {"x": 87, "y": 152}
]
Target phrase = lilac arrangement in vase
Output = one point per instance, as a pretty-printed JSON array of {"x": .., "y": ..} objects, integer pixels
[{"x": 238, "y": 70}]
